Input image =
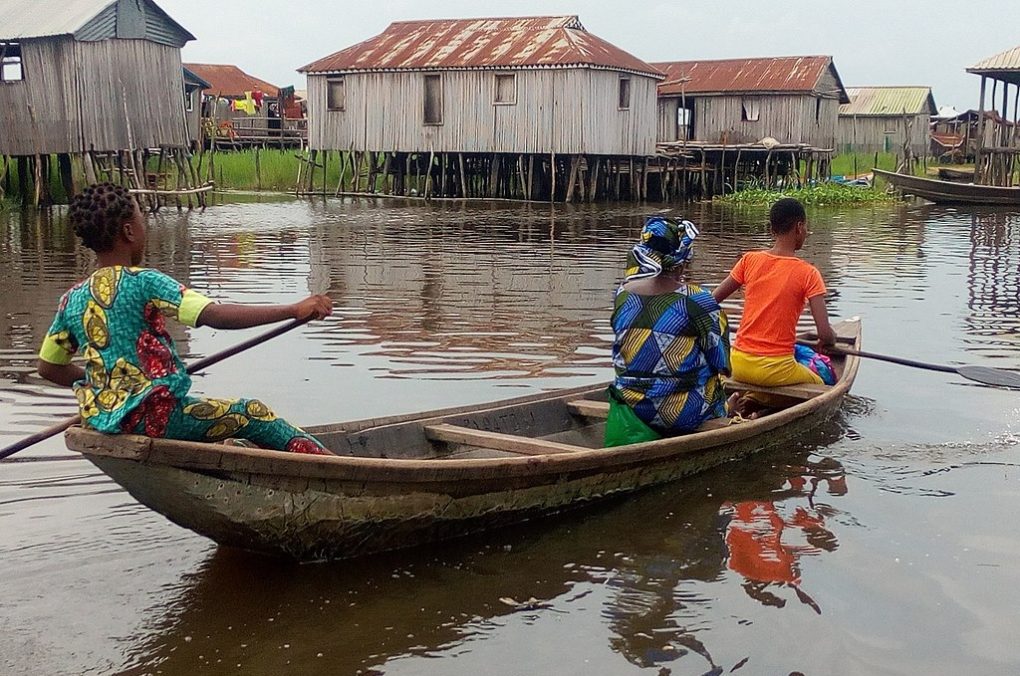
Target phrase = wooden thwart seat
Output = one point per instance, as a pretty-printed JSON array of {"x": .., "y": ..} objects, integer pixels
[
  {"x": 454, "y": 434},
  {"x": 586, "y": 408},
  {"x": 802, "y": 391}
]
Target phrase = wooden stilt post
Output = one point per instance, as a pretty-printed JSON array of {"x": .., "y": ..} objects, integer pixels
[
  {"x": 463, "y": 178},
  {"x": 428, "y": 175},
  {"x": 594, "y": 178},
  {"x": 552, "y": 173}
]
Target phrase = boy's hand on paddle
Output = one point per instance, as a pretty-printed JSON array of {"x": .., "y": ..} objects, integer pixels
[{"x": 316, "y": 306}]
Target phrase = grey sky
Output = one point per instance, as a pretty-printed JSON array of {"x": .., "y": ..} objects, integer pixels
[{"x": 874, "y": 42}]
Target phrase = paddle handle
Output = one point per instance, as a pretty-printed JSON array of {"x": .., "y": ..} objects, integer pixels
[
  {"x": 197, "y": 366},
  {"x": 884, "y": 357}
]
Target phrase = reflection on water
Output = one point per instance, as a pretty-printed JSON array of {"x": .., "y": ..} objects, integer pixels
[{"x": 814, "y": 558}]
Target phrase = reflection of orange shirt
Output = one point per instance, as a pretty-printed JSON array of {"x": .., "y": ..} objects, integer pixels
[
  {"x": 775, "y": 290},
  {"x": 754, "y": 538}
]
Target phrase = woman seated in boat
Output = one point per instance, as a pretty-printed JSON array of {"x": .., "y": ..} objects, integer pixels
[{"x": 672, "y": 340}]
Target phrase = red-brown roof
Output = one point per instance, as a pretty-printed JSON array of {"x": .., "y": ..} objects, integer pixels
[
  {"x": 783, "y": 74},
  {"x": 229, "y": 81},
  {"x": 522, "y": 42}
]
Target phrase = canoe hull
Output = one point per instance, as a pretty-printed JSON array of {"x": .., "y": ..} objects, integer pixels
[
  {"x": 399, "y": 482},
  {"x": 311, "y": 519},
  {"x": 950, "y": 192}
]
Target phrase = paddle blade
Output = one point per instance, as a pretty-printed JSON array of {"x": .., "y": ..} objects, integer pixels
[{"x": 990, "y": 376}]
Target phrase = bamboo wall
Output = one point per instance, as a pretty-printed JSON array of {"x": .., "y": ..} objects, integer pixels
[
  {"x": 786, "y": 118},
  {"x": 882, "y": 133},
  {"x": 564, "y": 111},
  {"x": 103, "y": 96}
]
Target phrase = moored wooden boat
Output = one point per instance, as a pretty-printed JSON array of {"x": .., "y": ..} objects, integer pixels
[
  {"x": 411, "y": 479},
  {"x": 950, "y": 192}
]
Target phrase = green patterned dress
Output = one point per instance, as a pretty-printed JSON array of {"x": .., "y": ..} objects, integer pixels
[{"x": 134, "y": 380}]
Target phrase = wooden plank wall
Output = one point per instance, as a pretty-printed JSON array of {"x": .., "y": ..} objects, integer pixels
[
  {"x": 566, "y": 111},
  {"x": 786, "y": 118},
  {"x": 79, "y": 96},
  {"x": 872, "y": 132}
]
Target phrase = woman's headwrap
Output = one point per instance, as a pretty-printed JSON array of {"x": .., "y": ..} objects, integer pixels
[{"x": 665, "y": 244}]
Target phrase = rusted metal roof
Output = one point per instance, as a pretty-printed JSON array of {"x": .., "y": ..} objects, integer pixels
[
  {"x": 766, "y": 75},
  {"x": 1003, "y": 66},
  {"x": 889, "y": 101},
  {"x": 229, "y": 81},
  {"x": 522, "y": 42}
]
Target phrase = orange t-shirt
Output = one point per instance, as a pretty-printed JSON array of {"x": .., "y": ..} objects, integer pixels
[{"x": 775, "y": 291}]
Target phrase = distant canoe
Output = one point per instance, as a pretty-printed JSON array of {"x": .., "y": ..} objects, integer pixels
[
  {"x": 956, "y": 174},
  {"x": 948, "y": 192},
  {"x": 407, "y": 480}
]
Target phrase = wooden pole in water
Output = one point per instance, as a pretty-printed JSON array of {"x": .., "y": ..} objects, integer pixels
[
  {"x": 552, "y": 172},
  {"x": 979, "y": 146}
]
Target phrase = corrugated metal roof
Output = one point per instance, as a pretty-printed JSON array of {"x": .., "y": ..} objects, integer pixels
[
  {"x": 522, "y": 42},
  {"x": 889, "y": 101},
  {"x": 1004, "y": 66},
  {"x": 85, "y": 19},
  {"x": 44, "y": 18},
  {"x": 779, "y": 74},
  {"x": 1007, "y": 60},
  {"x": 228, "y": 80}
]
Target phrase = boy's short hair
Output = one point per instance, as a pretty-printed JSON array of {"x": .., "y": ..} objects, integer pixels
[
  {"x": 785, "y": 214},
  {"x": 98, "y": 213}
]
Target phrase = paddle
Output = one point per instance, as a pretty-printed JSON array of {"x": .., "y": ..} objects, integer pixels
[
  {"x": 199, "y": 365},
  {"x": 980, "y": 374}
]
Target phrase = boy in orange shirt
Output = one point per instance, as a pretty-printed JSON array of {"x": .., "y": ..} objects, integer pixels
[{"x": 776, "y": 284}]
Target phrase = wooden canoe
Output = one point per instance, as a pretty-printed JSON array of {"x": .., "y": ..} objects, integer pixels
[
  {"x": 950, "y": 192},
  {"x": 410, "y": 479}
]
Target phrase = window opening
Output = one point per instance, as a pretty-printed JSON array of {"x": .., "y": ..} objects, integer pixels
[
  {"x": 506, "y": 89},
  {"x": 11, "y": 67},
  {"x": 336, "y": 93},
  {"x": 433, "y": 99}
]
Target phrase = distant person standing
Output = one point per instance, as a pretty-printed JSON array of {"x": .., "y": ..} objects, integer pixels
[{"x": 777, "y": 284}]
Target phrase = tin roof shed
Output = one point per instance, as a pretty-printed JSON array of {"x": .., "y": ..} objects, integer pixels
[
  {"x": 90, "y": 20},
  {"x": 766, "y": 75},
  {"x": 229, "y": 80},
  {"x": 484, "y": 43},
  {"x": 886, "y": 101}
]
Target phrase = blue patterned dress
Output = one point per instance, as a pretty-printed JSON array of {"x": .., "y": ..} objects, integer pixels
[{"x": 668, "y": 353}]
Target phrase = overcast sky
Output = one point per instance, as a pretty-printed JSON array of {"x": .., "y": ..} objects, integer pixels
[{"x": 873, "y": 42}]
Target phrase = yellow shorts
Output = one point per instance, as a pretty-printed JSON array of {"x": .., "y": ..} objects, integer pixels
[{"x": 770, "y": 371}]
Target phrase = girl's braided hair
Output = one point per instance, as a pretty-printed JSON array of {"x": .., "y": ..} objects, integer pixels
[{"x": 98, "y": 213}]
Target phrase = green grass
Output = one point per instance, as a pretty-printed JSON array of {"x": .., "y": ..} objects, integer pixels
[
  {"x": 823, "y": 194},
  {"x": 276, "y": 170},
  {"x": 843, "y": 164}
]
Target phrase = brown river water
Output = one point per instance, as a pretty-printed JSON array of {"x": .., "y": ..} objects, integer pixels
[{"x": 886, "y": 542}]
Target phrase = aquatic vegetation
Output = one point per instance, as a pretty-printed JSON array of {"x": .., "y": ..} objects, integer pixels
[
  {"x": 822, "y": 194},
  {"x": 277, "y": 169}
]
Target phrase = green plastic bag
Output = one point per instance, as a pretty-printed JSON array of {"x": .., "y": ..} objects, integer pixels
[{"x": 623, "y": 426}]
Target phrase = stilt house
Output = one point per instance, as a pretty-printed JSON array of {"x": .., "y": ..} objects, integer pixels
[
  {"x": 193, "y": 86},
  {"x": 998, "y": 148},
  {"x": 879, "y": 119},
  {"x": 794, "y": 100},
  {"x": 511, "y": 102},
  {"x": 89, "y": 75}
]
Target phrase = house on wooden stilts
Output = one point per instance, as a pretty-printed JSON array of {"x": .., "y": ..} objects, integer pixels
[
  {"x": 97, "y": 84},
  {"x": 524, "y": 108},
  {"x": 756, "y": 119},
  {"x": 998, "y": 140},
  {"x": 887, "y": 120}
]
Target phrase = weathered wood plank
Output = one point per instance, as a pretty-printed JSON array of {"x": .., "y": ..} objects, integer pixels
[
  {"x": 803, "y": 391},
  {"x": 454, "y": 434}
]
